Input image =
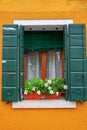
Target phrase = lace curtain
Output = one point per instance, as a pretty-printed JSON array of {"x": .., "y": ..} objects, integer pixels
[
  {"x": 33, "y": 65},
  {"x": 54, "y": 62},
  {"x": 54, "y": 68}
]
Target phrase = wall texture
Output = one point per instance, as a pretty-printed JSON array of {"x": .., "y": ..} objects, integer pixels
[{"x": 41, "y": 119}]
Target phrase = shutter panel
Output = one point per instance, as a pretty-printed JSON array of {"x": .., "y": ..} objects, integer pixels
[
  {"x": 11, "y": 63},
  {"x": 76, "y": 62}
]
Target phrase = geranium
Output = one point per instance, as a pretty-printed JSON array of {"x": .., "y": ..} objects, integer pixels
[
  {"x": 25, "y": 92},
  {"x": 53, "y": 86},
  {"x": 33, "y": 89},
  {"x": 65, "y": 86},
  {"x": 51, "y": 92},
  {"x": 50, "y": 87},
  {"x": 49, "y": 81},
  {"x": 38, "y": 92},
  {"x": 33, "y": 85},
  {"x": 46, "y": 84},
  {"x": 57, "y": 93}
]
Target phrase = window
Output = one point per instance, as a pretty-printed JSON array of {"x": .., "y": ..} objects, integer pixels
[{"x": 74, "y": 59}]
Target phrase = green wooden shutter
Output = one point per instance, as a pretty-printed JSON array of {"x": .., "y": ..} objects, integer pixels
[
  {"x": 12, "y": 70},
  {"x": 76, "y": 63}
]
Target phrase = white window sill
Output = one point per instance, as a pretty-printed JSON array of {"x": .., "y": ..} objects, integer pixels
[{"x": 61, "y": 103}]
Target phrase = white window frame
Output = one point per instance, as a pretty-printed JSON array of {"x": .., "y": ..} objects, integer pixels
[{"x": 61, "y": 103}]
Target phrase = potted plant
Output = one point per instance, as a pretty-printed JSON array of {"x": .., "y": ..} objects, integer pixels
[
  {"x": 53, "y": 88},
  {"x": 33, "y": 88},
  {"x": 47, "y": 89}
]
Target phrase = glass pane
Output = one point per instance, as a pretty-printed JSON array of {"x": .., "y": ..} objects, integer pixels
[
  {"x": 54, "y": 64},
  {"x": 33, "y": 65}
]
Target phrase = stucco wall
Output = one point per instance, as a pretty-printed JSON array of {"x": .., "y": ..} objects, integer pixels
[{"x": 41, "y": 119}]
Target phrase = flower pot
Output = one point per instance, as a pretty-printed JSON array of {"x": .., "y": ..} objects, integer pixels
[
  {"x": 46, "y": 96},
  {"x": 33, "y": 96},
  {"x": 62, "y": 93},
  {"x": 36, "y": 96},
  {"x": 28, "y": 96}
]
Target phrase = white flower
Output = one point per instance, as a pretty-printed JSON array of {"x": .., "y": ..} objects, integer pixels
[
  {"x": 49, "y": 81},
  {"x": 38, "y": 92},
  {"x": 33, "y": 89},
  {"x": 49, "y": 88},
  {"x": 57, "y": 93},
  {"x": 25, "y": 92},
  {"x": 51, "y": 92},
  {"x": 65, "y": 86},
  {"x": 46, "y": 84}
]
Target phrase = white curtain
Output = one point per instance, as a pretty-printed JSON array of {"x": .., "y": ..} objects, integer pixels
[
  {"x": 58, "y": 65},
  {"x": 33, "y": 65},
  {"x": 51, "y": 65},
  {"x": 54, "y": 68},
  {"x": 54, "y": 65}
]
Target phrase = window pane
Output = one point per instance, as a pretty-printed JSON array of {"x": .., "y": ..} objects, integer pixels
[
  {"x": 33, "y": 65},
  {"x": 54, "y": 68}
]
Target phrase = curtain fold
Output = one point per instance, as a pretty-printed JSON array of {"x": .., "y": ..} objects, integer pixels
[
  {"x": 33, "y": 65},
  {"x": 54, "y": 68},
  {"x": 58, "y": 64}
]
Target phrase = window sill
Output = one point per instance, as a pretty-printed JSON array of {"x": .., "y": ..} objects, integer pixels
[{"x": 61, "y": 103}]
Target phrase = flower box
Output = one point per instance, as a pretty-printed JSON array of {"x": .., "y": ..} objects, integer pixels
[
  {"x": 54, "y": 96},
  {"x": 34, "y": 96},
  {"x": 62, "y": 93},
  {"x": 44, "y": 89}
]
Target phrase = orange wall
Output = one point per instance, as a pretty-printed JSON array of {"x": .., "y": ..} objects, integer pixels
[{"x": 41, "y": 119}]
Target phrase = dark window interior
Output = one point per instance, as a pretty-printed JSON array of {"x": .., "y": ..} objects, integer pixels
[{"x": 43, "y": 41}]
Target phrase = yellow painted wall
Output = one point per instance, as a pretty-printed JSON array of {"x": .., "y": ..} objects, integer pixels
[{"x": 41, "y": 119}]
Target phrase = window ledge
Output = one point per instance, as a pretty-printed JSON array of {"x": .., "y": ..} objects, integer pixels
[{"x": 61, "y": 103}]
